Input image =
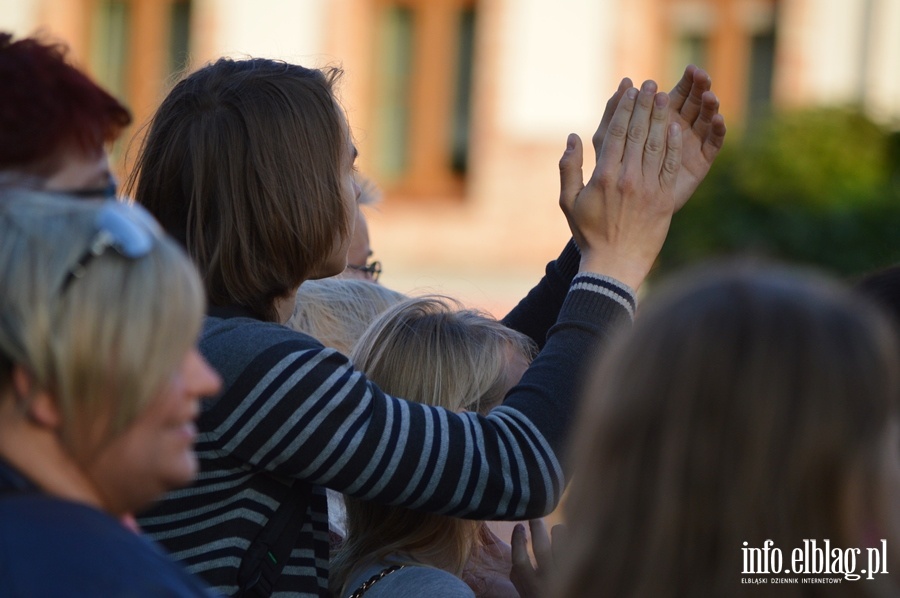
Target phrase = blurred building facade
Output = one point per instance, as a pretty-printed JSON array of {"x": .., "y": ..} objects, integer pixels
[{"x": 460, "y": 108}]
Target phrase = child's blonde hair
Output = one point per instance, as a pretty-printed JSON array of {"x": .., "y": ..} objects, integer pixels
[
  {"x": 430, "y": 350},
  {"x": 336, "y": 311}
]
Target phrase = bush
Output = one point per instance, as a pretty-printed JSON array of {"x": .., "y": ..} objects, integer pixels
[{"x": 817, "y": 186}]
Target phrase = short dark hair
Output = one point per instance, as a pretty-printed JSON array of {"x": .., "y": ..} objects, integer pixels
[
  {"x": 48, "y": 105},
  {"x": 242, "y": 164}
]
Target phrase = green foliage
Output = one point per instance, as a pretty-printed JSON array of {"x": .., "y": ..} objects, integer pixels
[{"x": 819, "y": 187}]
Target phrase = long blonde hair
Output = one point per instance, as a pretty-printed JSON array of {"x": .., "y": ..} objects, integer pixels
[{"x": 430, "y": 350}]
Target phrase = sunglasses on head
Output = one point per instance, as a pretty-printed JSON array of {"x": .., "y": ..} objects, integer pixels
[{"x": 127, "y": 230}]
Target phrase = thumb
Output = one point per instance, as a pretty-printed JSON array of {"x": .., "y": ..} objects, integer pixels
[{"x": 571, "y": 178}]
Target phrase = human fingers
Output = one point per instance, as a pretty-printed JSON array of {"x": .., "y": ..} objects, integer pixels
[
  {"x": 672, "y": 162},
  {"x": 522, "y": 573},
  {"x": 540, "y": 543},
  {"x": 611, "y": 105},
  {"x": 710, "y": 126},
  {"x": 519, "y": 547},
  {"x": 691, "y": 108},
  {"x": 614, "y": 142},
  {"x": 716, "y": 138},
  {"x": 709, "y": 107},
  {"x": 639, "y": 126},
  {"x": 571, "y": 178},
  {"x": 682, "y": 89},
  {"x": 655, "y": 146}
]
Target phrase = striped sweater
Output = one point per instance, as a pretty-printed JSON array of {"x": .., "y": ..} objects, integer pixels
[{"x": 292, "y": 409}]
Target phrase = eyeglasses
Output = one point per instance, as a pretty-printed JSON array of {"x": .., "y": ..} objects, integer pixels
[
  {"x": 108, "y": 191},
  {"x": 372, "y": 269},
  {"x": 129, "y": 230}
]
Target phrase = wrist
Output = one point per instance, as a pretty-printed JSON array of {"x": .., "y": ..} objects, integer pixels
[{"x": 629, "y": 272}]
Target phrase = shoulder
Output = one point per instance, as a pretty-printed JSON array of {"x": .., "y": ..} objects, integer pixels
[
  {"x": 253, "y": 333},
  {"x": 413, "y": 581},
  {"x": 92, "y": 554},
  {"x": 233, "y": 345}
]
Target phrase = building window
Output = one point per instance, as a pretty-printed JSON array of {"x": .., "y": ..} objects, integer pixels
[
  {"x": 179, "y": 36},
  {"x": 691, "y": 48},
  {"x": 135, "y": 47},
  {"x": 115, "y": 57},
  {"x": 109, "y": 53},
  {"x": 394, "y": 92},
  {"x": 462, "y": 105},
  {"x": 761, "y": 72},
  {"x": 424, "y": 63}
]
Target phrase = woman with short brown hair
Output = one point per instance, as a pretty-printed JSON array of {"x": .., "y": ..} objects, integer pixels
[{"x": 250, "y": 164}]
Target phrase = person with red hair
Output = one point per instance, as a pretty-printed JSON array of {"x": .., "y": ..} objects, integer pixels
[{"x": 55, "y": 122}]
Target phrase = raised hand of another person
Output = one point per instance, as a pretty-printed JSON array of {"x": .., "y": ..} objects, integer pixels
[
  {"x": 531, "y": 579},
  {"x": 696, "y": 109},
  {"x": 621, "y": 217}
]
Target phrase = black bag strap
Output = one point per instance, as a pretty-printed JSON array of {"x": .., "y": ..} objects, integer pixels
[
  {"x": 364, "y": 586},
  {"x": 269, "y": 552}
]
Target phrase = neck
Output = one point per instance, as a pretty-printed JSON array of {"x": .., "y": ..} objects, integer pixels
[
  {"x": 285, "y": 307},
  {"x": 38, "y": 454}
]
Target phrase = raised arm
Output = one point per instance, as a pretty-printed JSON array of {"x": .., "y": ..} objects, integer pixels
[
  {"x": 311, "y": 416},
  {"x": 695, "y": 108}
]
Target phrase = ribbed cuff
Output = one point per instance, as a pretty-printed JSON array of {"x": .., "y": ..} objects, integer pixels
[{"x": 606, "y": 286}]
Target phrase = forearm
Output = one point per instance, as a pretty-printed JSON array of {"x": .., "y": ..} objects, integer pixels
[
  {"x": 313, "y": 417},
  {"x": 538, "y": 311}
]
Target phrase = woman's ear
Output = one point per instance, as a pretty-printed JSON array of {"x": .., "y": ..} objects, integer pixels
[{"x": 38, "y": 405}]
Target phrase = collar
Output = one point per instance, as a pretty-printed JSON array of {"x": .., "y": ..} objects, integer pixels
[
  {"x": 230, "y": 311},
  {"x": 13, "y": 481}
]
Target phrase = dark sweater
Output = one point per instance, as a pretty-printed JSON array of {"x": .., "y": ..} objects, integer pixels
[
  {"x": 292, "y": 409},
  {"x": 54, "y": 547}
]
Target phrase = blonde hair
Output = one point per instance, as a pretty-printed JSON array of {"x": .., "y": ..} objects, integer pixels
[
  {"x": 101, "y": 344},
  {"x": 336, "y": 311},
  {"x": 429, "y": 350}
]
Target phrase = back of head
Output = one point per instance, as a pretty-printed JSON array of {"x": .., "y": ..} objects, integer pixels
[
  {"x": 242, "y": 164},
  {"x": 48, "y": 106},
  {"x": 337, "y": 311},
  {"x": 101, "y": 332},
  {"x": 746, "y": 405},
  {"x": 429, "y": 350}
]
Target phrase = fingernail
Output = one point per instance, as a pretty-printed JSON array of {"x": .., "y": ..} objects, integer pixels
[
  {"x": 661, "y": 99},
  {"x": 570, "y": 141},
  {"x": 674, "y": 129},
  {"x": 631, "y": 93}
]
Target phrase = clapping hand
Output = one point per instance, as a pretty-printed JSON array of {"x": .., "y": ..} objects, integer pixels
[
  {"x": 696, "y": 110},
  {"x": 621, "y": 217}
]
